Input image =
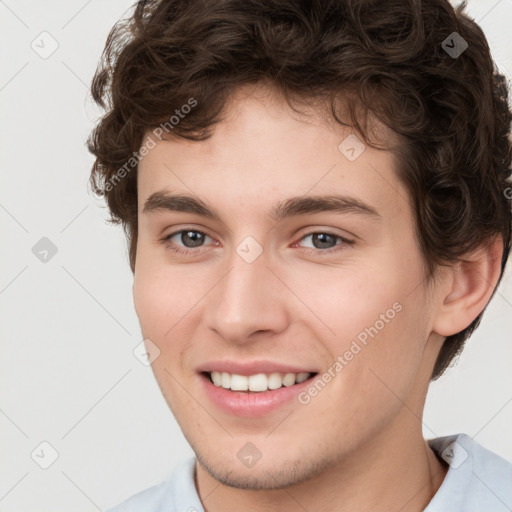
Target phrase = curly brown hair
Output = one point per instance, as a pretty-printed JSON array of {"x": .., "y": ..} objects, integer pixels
[{"x": 450, "y": 112}]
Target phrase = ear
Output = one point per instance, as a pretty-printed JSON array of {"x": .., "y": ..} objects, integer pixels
[{"x": 467, "y": 288}]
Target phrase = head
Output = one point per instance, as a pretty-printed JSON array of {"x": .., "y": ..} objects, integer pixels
[{"x": 234, "y": 108}]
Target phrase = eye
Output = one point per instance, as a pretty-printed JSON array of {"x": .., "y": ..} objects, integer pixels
[
  {"x": 324, "y": 242},
  {"x": 187, "y": 241},
  {"x": 190, "y": 238}
]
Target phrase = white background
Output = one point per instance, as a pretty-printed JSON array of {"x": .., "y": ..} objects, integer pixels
[{"x": 68, "y": 326}]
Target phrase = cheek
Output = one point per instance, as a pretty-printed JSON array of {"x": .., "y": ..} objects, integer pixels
[
  {"x": 162, "y": 296},
  {"x": 164, "y": 306},
  {"x": 383, "y": 372},
  {"x": 168, "y": 302},
  {"x": 151, "y": 300},
  {"x": 351, "y": 300},
  {"x": 378, "y": 328}
]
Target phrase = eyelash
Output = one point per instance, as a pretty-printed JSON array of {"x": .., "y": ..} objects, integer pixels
[{"x": 337, "y": 248}]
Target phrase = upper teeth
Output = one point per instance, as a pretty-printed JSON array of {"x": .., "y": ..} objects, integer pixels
[{"x": 259, "y": 382}]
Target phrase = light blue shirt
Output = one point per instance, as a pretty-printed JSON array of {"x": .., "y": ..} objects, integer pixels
[{"x": 477, "y": 480}]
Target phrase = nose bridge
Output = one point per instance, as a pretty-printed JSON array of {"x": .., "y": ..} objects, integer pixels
[{"x": 246, "y": 299}]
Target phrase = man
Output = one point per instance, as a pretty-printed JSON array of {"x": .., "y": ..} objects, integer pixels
[{"x": 316, "y": 199}]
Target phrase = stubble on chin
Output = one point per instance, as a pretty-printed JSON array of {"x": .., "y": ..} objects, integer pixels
[{"x": 270, "y": 475}]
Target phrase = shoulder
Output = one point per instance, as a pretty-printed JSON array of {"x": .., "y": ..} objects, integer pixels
[
  {"x": 477, "y": 478},
  {"x": 176, "y": 493}
]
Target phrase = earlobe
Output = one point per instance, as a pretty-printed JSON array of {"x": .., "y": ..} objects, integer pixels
[{"x": 470, "y": 285}]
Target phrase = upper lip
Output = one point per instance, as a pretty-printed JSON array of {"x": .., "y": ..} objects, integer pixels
[{"x": 252, "y": 367}]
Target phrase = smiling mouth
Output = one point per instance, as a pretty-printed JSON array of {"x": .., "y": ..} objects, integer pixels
[{"x": 257, "y": 383}]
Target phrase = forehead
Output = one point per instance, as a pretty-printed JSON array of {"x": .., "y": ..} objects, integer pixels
[{"x": 263, "y": 151}]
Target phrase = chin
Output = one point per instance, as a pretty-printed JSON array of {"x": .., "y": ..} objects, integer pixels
[{"x": 264, "y": 475}]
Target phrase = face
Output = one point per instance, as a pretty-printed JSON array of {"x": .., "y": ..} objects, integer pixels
[{"x": 287, "y": 273}]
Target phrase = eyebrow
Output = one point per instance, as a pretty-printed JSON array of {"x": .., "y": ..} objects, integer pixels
[{"x": 299, "y": 205}]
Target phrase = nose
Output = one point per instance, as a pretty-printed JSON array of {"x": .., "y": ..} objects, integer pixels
[{"x": 248, "y": 299}]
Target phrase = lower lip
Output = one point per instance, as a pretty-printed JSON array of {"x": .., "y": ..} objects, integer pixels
[{"x": 251, "y": 404}]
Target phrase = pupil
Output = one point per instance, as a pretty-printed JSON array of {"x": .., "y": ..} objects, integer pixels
[{"x": 194, "y": 235}]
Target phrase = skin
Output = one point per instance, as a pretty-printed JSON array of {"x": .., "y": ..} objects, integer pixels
[{"x": 358, "y": 444}]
